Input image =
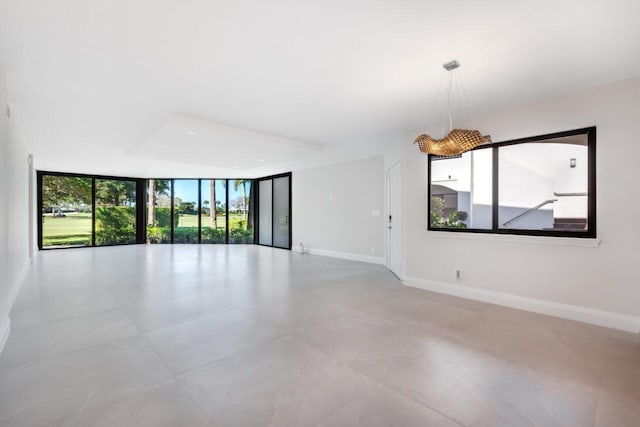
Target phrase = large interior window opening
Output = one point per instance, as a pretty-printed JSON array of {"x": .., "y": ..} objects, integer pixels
[{"x": 544, "y": 185}]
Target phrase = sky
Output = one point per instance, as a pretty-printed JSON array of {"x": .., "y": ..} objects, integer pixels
[{"x": 187, "y": 190}]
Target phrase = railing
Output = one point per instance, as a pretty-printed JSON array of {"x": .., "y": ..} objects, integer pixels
[
  {"x": 569, "y": 194},
  {"x": 528, "y": 211}
]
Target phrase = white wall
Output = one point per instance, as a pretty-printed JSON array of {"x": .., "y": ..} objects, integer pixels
[
  {"x": 586, "y": 282},
  {"x": 339, "y": 209},
  {"x": 14, "y": 213}
]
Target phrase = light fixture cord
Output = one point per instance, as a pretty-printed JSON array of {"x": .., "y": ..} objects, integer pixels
[
  {"x": 432, "y": 115},
  {"x": 449, "y": 100},
  {"x": 467, "y": 103}
]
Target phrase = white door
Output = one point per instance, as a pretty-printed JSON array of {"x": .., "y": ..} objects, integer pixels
[{"x": 394, "y": 224}]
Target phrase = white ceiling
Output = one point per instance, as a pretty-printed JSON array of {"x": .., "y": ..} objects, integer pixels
[{"x": 107, "y": 86}]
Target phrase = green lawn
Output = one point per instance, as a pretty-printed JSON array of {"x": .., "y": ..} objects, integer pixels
[
  {"x": 192, "y": 221},
  {"x": 75, "y": 228},
  {"x": 72, "y": 229}
]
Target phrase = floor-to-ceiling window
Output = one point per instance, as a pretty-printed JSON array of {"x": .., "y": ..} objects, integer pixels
[
  {"x": 158, "y": 218},
  {"x": 185, "y": 208},
  {"x": 85, "y": 210},
  {"x": 240, "y": 211},
  {"x": 213, "y": 211},
  {"x": 66, "y": 211},
  {"x": 116, "y": 212},
  {"x": 88, "y": 210}
]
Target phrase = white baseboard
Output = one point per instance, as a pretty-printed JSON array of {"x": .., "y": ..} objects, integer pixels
[
  {"x": 343, "y": 255},
  {"x": 5, "y": 324},
  {"x": 573, "y": 312},
  {"x": 19, "y": 281},
  {"x": 5, "y": 328}
]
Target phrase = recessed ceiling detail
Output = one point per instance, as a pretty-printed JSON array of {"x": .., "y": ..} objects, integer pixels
[{"x": 194, "y": 141}]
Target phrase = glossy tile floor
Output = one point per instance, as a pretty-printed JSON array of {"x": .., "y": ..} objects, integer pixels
[{"x": 252, "y": 336}]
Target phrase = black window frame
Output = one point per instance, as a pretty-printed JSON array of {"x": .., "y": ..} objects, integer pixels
[
  {"x": 141, "y": 227},
  {"x": 141, "y": 206},
  {"x": 257, "y": 211},
  {"x": 227, "y": 183},
  {"x": 590, "y": 233}
]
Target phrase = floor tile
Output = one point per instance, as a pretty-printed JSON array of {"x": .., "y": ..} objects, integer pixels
[
  {"x": 67, "y": 335},
  {"x": 529, "y": 339},
  {"x": 477, "y": 389},
  {"x": 616, "y": 410},
  {"x": 193, "y": 344},
  {"x": 46, "y": 391},
  {"x": 248, "y": 335},
  {"x": 165, "y": 404},
  {"x": 368, "y": 343},
  {"x": 360, "y": 291},
  {"x": 280, "y": 383},
  {"x": 158, "y": 313},
  {"x": 419, "y": 311},
  {"x": 63, "y": 305},
  {"x": 385, "y": 408}
]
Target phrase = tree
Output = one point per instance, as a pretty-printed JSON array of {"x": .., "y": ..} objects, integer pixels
[
  {"x": 151, "y": 203},
  {"x": 157, "y": 188},
  {"x": 251, "y": 210},
  {"x": 237, "y": 204},
  {"x": 247, "y": 206},
  {"x": 57, "y": 190},
  {"x": 212, "y": 213},
  {"x": 236, "y": 184},
  {"x": 115, "y": 192},
  {"x": 217, "y": 206},
  {"x": 439, "y": 220},
  {"x": 187, "y": 208}
]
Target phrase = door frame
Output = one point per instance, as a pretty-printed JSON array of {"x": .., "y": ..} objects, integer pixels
[{"x": 256, "y": 221}]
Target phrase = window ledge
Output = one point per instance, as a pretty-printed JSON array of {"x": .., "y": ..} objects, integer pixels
[{"x": 516, "y": 238}]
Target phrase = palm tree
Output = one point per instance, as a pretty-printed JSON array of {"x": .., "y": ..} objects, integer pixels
[
  {"x": 212, "y": 212},
  {"x": 156, "y": 188},
  {"x": 151, "y": 215}
]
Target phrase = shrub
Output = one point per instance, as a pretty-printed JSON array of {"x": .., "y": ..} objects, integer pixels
[
  {"x": 163, "y": 217},
  {"x": 115, "y": 237},
  {"x": 238, "y": 235},
  {"x": 115, "y": 225},
  {"x": 185, "y": 235},
  {"x": 159, "y": 234},
  {"x": 213, "y": 235},
  {"x": 439, "y": 220}
]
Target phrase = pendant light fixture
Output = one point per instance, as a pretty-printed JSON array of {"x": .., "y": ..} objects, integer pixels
[{"x": 457, "y": 141}]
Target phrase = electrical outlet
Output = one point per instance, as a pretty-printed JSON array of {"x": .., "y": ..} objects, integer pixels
[{"x": 458, "y": 274}]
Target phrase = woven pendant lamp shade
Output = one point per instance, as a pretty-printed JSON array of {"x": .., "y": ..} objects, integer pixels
[{"x": 456, "y": 142}]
